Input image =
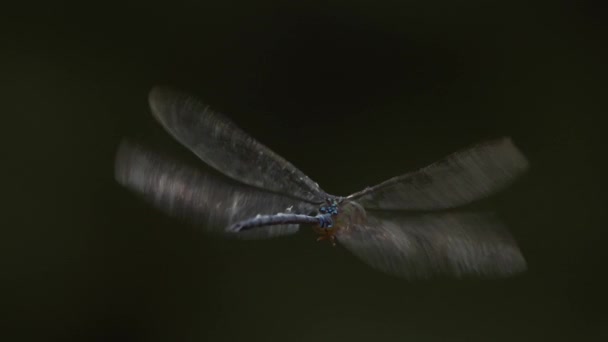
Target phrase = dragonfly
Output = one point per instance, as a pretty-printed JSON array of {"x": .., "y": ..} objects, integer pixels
[{"x": 413, "y": 226}]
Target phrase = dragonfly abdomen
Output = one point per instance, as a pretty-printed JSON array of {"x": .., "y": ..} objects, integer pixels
[{"x": 281, "y": 219}]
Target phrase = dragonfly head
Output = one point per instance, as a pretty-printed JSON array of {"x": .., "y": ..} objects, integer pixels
[{"x": 351, "y": 213}]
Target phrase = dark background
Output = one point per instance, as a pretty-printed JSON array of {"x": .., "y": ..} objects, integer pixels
[{"x": 352, "y": 93}]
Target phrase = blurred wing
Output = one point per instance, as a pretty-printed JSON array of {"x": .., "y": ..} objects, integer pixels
[
  {"x": 221, "y": 144},
  {"x": 447, "y": 244},
  {"x": 459, "y": 179},
  {"x": 200, "y": 197}
]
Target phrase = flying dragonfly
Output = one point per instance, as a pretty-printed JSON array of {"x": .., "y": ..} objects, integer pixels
[{"x": 412, "y": 225}]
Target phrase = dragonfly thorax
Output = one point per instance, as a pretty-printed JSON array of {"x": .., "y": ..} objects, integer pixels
[
  {"x": 349, "y": 212},
  {"x": 327, "y": 210},
  {"x": 330, "y": 207}
]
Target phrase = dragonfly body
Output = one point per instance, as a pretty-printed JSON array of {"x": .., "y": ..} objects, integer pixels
[
  {"x": 410, "y": 225},
  {"x": 324, "y": 219}
]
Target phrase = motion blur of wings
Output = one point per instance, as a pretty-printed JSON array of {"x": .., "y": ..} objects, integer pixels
[{"x": 409, "y": 226}]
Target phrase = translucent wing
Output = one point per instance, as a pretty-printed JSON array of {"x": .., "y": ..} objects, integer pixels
[
  {"x": 225, "y": 147},
  {"x": 459, "y": 179},
  {"x": 200, "y": 197},
  {"x": 421, "y": 246}
]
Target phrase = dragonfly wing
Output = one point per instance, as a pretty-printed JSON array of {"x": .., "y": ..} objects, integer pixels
[
  {"x": 447, "y": 244},
  {"x": 221, "y": 144},
  {"x": 459, "y": 179},
  {"x": 200, "y": 197}
]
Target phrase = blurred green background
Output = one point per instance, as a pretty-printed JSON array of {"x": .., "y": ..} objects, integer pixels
[{"x": 350, "y": 92}]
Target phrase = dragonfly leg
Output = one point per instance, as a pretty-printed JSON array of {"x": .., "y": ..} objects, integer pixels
[{"x": 326, "y": 234}]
